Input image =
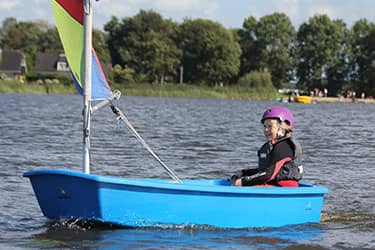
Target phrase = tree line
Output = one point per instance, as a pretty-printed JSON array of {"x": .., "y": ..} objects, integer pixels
[{"x": 321, "y": 53}]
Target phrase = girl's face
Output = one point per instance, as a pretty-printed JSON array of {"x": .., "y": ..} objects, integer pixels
[{"x": 271, "y": 129}]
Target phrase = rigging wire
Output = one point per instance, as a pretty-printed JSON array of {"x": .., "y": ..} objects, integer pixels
[{"x": 139, "y": 138}]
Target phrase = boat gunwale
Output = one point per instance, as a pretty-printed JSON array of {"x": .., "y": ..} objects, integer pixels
[{"x": 188, "y": 186}]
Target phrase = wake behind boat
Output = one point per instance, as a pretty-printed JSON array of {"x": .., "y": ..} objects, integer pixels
[{"x": 66, "y": 194}]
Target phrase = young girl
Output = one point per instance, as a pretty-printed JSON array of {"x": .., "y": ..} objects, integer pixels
[{"x": 279, "y": 159}]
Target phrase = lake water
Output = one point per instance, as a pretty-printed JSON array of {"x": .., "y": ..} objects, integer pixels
[{"x": 198, "y": 139}]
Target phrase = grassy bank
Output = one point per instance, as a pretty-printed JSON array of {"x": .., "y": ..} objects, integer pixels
[
  {"x": 165, "y": 90},
  {"x": 193, "y": 91},
  {"x": 15, "y": 87}
]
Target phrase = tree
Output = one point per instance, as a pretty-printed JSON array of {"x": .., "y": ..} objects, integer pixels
[
  {"x": 99, "y": 42},
  {"x": 364, "y": 56},
  {"x": 250, "y": 48},
  {"x": 210, "y": 53},
  {"x": 7, "y": 23},
  {"x": 114, "y": 33},
  {"x": 145, "y": 43},
  {"x": 23, "y": 36},
  {"x": 275, "y": 35},
  {"x": 320, "y": 48},
  {"x": 49, "y": 41},
  {"x": 370, "y": 73},
  {"x": 361, "y": 56},
  {"x": 163, "y": 56},
  {"x": 338, "y": 73}
]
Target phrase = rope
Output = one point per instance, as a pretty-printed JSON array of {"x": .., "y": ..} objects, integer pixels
[{"x": 139, "y": 138}]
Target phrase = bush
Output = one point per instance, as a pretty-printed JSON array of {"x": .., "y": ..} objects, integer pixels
[
  {"x": 256, "y": 80},
  {"x": 120, "y": 75},
  {"x": 64, "y": 78}
]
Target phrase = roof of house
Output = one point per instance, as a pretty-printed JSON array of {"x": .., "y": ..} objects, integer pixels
[
  {"x": 47, "y": 62},
  {"x": 12, "y": 61}
]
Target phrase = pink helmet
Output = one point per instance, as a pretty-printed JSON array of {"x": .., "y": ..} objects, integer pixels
[{"x": 281, "y": 113}]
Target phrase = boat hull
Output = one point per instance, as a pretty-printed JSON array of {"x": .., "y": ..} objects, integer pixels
[
  {"x": 303, "y": 99},
  {"x": 64, "y": 194}
]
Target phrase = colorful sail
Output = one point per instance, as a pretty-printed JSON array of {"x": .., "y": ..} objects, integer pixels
[{"x": 69, "y": 22}]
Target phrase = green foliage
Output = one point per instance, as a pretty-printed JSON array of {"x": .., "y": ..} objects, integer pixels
[
  {"x": 39, "y": 87},
  {"x": 30, "y": 38},
  {"x": 196, "y": 91},
  {"x": 369, "y": 71},
  {"x": 275, "y": 35},
  {"x": 210, "y": 52},
  {"x": 143, "y": 89},
  {"x": 61, "y": 78},
  {"x": 99, "y": 42},
  {"x": 121, "y": 75},
  {"x": 363, "y": 56},
  {"x": 338, "y": 73},
  {"x": 7, "y": 23},
  {"x": 256, "y": 80},
  {"x": 268, "y": 45},
  {"x": 34, "y": 37},
  {"x": 321, "y": 48},
  {"x": 247, "y": 39},
  {"x": 49, "y": 41},
  {"x": 145, "y": 43},
  {"x": 147, "y": 48},
  {"x": 23, "y": 36}
]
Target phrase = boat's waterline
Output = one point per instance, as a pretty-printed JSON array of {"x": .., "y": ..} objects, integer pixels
[{"x": 65, "y": 194}]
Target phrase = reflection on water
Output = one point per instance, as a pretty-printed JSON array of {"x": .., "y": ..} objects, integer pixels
[
  {"x": 198, "y": 139},
  {"x": 70, "y": 234}
]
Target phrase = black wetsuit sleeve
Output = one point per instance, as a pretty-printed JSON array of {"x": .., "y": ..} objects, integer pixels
[
  {"x": 247, "y": 172},
  {"x": 280, "y": 151}
]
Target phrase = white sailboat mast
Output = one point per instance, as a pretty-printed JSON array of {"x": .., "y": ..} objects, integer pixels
[{"x": 87, "y": 23}]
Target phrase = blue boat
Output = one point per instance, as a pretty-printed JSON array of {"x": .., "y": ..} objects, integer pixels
[{"x": 65, "y": 194}]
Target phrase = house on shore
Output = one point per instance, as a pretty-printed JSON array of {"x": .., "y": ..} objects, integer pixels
[
  {"x": 51, "y": 64},
  {"x": 12, "y": 65},
  {"x": 48, "y": 65}
]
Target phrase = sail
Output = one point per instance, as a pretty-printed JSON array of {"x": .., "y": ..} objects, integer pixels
[{"x": 69, "y": 22}]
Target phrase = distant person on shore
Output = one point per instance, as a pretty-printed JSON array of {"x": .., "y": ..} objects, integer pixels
[{"x": 280, "y": 158}]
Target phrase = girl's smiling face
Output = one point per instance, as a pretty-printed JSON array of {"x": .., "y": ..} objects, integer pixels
[{"x": 271, "y": 128}]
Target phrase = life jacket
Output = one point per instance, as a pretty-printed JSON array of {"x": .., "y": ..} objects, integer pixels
[{"x": 287, "y": 171}]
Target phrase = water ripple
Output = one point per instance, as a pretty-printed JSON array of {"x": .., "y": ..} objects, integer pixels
[{"x": 198, "y": 139}]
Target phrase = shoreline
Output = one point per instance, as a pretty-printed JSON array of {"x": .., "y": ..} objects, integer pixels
[
  {"x": 171, "y": 90},
  {"x": 342, "y": 100}
]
